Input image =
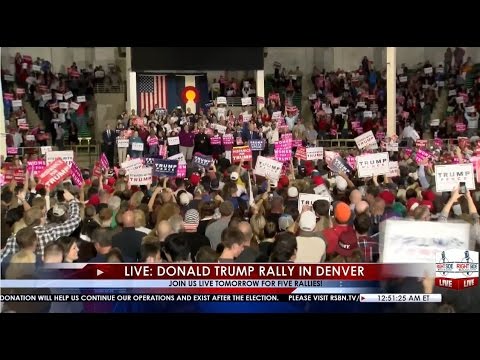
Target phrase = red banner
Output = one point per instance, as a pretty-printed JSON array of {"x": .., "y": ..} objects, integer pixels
[
  {"x": 54, "y": 173},
  {"x": 240, "y": 153}
]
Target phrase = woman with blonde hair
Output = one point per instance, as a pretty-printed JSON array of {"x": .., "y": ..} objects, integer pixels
[
  {"x": 21, "y": 264},
  {"x": 258, "y": 222}
]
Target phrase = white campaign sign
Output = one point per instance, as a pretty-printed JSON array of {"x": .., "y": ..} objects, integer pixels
[
  {"x": 59, "y": 97},
  {"x": 63, "y": 105},
  {"x": 246, "y": 101},
  {"x": 309, "y": 199},
  {"x": 435, "y": 122},
  {"x": 314, "y": 153},
  {"x": 74, "y": 106},
  {"x": 392, "y": 147},
  {"x": 418, "y": 241},
  {"x": 131, "y": 165},
  {"x": 447, "y": 177},
  {"x": 123, "y": 143},
  {"x": 142, "y": 176},
  {"x": 276, "y": 115},
  {"x": 173, "y": 140},
  {"x": 81, "y": 99},
  {"x": 220, "y": 128},
  {"x": 403, "y": 79},
  {"x": 17, "y": 103},
  {"x": 68, "y": 95},
  {"x": 428, "y": 70},
  {"x": 268, "y": 168},
  {"x": 459, "y": 99},
  {"x": 312, "y": 97},
  {"x": 470, "y": 109},
  {"x": 180, "y": 157},
  {"x": 221, "y": 100},
  {"x": 372, "y": 164},
  {"x": 366, "y": 139},
  {"x": 66, "y": 156},
  {"x": 367, "y": 114},
  {"x": 47, "y": 97},
  {"x": 393, "y": 169},
  {"x": 21, "y": 121},
  {"x": 45, "y": 149},
  {"x": 137, "y": 146},
  {"x": 452, "y": 92}
]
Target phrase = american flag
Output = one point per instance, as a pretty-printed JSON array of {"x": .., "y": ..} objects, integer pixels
[{"x": 152, "y": 90}]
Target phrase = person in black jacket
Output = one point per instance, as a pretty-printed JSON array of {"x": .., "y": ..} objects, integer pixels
[{"x": 128, "y": 240}]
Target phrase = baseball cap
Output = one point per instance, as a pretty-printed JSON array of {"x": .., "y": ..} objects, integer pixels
[
  {"x": 192, "y": 219},
  {"x": 308, "y": 221},
  {"x": 59, "y": 210},
  {"x": 292, "y": 192},
  {"x": 234, "y": 176},
  {"x": 387, "y": 196},
  {"x": 183, "y": 198},
  {"x": 347, "y": 243},
  {"x": 342, "y": 212},
  {"x": 214, "y": 184},
  {"x": 285, "y": 221},
  {"x": 195, "y": 178},
  {"x": 283, "y": 181},
  {"x": 412, "y": 204}
]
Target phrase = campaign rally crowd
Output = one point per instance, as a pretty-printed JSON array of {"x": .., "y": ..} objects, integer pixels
[{"x": 263, "y": 186}]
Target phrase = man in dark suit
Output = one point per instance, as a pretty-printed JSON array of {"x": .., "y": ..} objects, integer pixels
[
  {"x": 251, "y": 133},
  {"x": 108, "y": 137}
]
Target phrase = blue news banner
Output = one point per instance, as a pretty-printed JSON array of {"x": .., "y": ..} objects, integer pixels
[{"x": 324, "y": 296}]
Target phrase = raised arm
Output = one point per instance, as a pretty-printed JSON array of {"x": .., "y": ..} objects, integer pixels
[{"x": 66, "y": 228}]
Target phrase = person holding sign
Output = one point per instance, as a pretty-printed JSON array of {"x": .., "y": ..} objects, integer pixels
[
  {"x": 187, "y": 140},
  {"x": 136, "y": 146}
]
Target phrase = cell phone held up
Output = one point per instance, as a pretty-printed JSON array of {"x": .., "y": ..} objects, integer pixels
[{"x": 462, "y": 189}]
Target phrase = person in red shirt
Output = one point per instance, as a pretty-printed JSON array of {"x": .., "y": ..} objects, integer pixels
[{"x": 342, "y": 215}]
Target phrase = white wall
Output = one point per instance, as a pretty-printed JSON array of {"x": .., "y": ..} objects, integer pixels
[
  {"x": 350, "y": 58},
  {"x": 290, "y": 58}
]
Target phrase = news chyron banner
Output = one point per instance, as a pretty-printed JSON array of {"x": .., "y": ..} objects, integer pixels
[{"x": 91, "y": 287}]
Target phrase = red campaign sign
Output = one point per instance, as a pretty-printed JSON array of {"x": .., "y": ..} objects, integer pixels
[
  {"x": 76, "y": 174},
  {"x": 228, "y": 139},
  {"x": 19, "y": 176},
  {"x": 162, "y": 151},
  {"x": 297, "y": 143},
  {"x": 14, "y": 174},
  {"x": 27, "y": 58},
  {"x": 8, "y": 96},
  {"x": 36, "y": 166},
  {"x": 421, "y": 143},
  {"x": 12, "y": 151},
  {"x": 182, "y": 170},
  {"x": 74, "y": 73},
  {"x": 54, "y": 173},
  {"x": 216, "y": 140},
  {"x": 242, "y": 153},
  {"x": 97, "y": 171},
  {"x": 460, "y": 127},
  {"x": 301, "y": 153}
]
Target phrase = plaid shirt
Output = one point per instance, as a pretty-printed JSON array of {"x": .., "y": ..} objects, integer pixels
[
  {"x": 369, "y": 248},
  {"x": 47, "y": 233}
]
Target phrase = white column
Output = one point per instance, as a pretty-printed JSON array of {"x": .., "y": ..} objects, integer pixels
[
  {"x": 260, "y": 79},
  {"x": 3, "y": 135},
  {"x": 131, "y": 83},
  {"x": 391, "y": 90}
]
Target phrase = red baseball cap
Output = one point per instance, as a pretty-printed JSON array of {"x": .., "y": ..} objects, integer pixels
[
  {"x": 387, "y": 196},
  {"x": 283, "y": 182},
  {"x": 195, "y": 179},
  {"x": 411, "y": 202}
]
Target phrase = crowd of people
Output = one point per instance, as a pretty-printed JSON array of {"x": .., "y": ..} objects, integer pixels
[
  {"x": 65, "y": 103},
  {"x": 225, "y": 207}
]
